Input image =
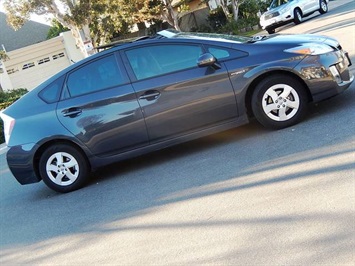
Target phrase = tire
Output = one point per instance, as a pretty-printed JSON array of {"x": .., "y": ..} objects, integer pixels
[
  {"x": 63, "y": 168},
  {"x": 323, "y": 7},
  {"x": 279, "y": 101},
  {"x": 297, "y": 16},
  {"x": 270, "y": 30}
]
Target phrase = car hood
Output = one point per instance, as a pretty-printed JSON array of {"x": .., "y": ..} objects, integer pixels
[
  {"x": 299, "y": 40},
  {"x": 276, "y": 9}
]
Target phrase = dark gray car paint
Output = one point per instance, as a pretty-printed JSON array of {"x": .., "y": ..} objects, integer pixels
[{"x": 116, "y": 124}]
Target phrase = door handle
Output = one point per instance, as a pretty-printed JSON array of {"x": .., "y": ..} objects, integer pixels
[
  {"x": 150, "y": 95},
  {"x": 72, "y": 112}
]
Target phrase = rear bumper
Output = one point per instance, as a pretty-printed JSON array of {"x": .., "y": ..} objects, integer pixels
[{"x": 20, "y": 161}]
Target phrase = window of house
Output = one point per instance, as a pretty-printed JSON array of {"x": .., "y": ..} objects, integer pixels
[
  {"x": 12, "y": 71},
  {"x": 43, "y": 60},
  {"x": 155, "y": 60},
  {"x": 98, "y": 75},
  {"x": 28, "y": 65},
  {"x": 56, "y": 56}
]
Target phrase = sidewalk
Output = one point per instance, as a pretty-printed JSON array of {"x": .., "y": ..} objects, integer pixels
[{"x": 336, "y": 3}]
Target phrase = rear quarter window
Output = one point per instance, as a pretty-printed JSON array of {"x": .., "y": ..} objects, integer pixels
[{"x": 51, "y": 93}]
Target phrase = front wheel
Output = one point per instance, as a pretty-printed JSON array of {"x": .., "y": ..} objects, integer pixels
[
  {"x": 270, "y": 30},
  {"x": 323, "y": 7},
  {"x": 297, "y": 16},
  {"x": 279, "y": 101},
  {"x": 63, "y": 168}
]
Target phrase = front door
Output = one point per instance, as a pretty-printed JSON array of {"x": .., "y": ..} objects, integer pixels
[{"x": 178, "y": 97}]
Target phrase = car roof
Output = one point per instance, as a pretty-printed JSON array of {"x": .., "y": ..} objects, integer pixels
[{"x": 174, "y": 35}]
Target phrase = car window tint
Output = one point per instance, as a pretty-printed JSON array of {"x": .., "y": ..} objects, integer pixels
[
  {"x": 51, "y": 93},
  {"x": 150, "y": 61},
  {"x": 225, "y": 53},
  {"x": 97, "y": 75}
]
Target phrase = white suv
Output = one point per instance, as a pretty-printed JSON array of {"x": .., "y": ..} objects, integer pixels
[{"x": 282, "y": 12}]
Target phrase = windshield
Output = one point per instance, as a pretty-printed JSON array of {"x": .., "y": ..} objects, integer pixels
[{"x": 277, "y": 3}]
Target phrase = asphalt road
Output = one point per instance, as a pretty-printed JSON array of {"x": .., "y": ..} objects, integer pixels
[{"x": 247, "y": 196}]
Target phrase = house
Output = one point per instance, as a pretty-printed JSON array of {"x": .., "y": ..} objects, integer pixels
[
  {"x": 32, "y": 32},
  {"x": 32, "y": 58}
]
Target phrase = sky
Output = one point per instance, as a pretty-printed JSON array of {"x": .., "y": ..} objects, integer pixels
[{"x": 40, "y": 19}]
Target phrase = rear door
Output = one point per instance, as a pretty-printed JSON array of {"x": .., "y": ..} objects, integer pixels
[
  {"x": 178, "y": 97},
  {"x": 101, "y": 108}
]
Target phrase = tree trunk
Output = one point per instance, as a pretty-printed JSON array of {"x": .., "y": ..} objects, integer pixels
[
  {"x": 235, "y": 9},
  {"x": 142, "y": 29},
  {"x": 170, "y": 15},
  {"x": 224, "y": 5}
]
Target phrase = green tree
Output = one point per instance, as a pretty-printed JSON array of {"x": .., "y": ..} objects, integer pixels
[
  {"x": 56, "y": 29},
  {"x": 97, "y": 20}
]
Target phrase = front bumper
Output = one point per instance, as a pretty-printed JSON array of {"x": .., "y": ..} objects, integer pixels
[
  {"x": 20, "y": 160},
  {"x": 274, "y": 22},
  {"x": 326, "y": 75}
]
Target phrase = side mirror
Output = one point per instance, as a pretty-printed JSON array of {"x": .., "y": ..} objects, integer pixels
[{"x": 206, "y": 60}]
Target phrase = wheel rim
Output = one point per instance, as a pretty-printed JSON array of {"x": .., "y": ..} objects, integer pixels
[
  {"x": 324, "y": 6},
  {"x": 281, "y": 102},
  {"x": 62, "y": 169},
  {"x": 299, "y": 16}
]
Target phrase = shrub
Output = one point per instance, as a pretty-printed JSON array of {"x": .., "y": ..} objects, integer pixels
[
  {"x": 6, "y": 99},
  {"x": 248, "y": 17}
]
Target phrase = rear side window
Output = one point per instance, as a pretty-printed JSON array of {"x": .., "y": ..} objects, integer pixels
[
  {"x": 95, "y": 76},
  {"x": 155, "y": 60},
  {"x": 51, "y": 93}
]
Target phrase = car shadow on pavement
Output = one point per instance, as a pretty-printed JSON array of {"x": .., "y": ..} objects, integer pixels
[{"x": 236, "y": 160}]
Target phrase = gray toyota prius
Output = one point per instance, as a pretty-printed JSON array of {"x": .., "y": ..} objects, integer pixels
[{"x": 162, "y": 90}]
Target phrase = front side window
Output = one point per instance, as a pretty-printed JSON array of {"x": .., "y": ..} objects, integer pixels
[
  {"x": 97, "y": 75},
  {"x": 155, "y": 60}
]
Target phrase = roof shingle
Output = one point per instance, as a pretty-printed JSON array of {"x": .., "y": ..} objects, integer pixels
[{"x": 30, "y": 33}]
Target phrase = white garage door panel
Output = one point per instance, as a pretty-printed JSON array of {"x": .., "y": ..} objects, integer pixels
[{"x": 29, "y": 76}]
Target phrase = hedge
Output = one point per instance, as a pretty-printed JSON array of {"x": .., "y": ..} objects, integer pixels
[{"x": 6, "y": 99}]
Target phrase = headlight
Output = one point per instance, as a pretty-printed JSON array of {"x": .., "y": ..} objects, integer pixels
[{"x": 310, "y": 49}]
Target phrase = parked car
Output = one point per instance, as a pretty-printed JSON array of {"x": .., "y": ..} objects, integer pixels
[
  {"x": 282, "y": 12},
  {"x": 150, "y": 94}
]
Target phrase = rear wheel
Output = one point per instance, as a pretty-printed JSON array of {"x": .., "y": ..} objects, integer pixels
[
  {"x": 297, "y": 16},
  {"x": 279, "y": 101},
  {"x": 323, "y": 7},
  {"x": 63, "y": 168}
]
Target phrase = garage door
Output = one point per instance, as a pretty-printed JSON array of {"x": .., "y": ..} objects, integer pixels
[{"x": 32, "y": 72}]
